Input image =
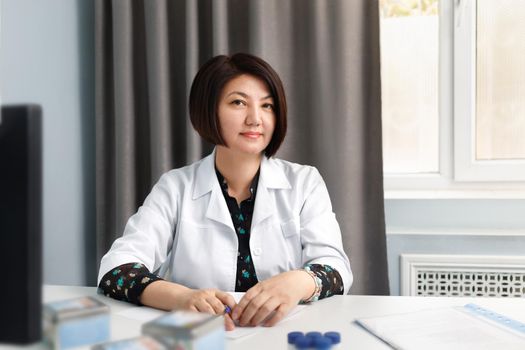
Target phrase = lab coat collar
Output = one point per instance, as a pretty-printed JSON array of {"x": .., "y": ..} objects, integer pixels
[
  {"x": 205, "y": 182},
  {"x": 271, "y": 177},
  {"x": 205, "y": 176}
]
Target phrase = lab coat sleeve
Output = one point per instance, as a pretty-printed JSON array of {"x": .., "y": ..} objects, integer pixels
[
  {"x": 320, "y": 232},
  {"x": 148, "y": 234}
]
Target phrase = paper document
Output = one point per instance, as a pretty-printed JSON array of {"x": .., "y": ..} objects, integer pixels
[
  {"x": 146, "y": 314},
  {"x": 240, "y": 332},
  {"x": 468, "y": 327}
]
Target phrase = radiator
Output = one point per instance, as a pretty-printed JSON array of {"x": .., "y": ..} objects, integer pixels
[{"x": 462, "y": 275}]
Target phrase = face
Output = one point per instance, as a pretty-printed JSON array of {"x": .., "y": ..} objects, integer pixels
[{"x": 246, "y": 115}]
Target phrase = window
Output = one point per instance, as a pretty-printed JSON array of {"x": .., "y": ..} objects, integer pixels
[
  {"x": 409, "y": 77},
  {"x": 489, "y": 88},
  {"x": 453, "y": 72}
]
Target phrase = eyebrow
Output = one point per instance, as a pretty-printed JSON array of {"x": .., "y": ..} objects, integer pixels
[{"x": 246, "y": 96}]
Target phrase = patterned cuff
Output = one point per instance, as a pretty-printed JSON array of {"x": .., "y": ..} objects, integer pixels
[{"x": 127, "y": 282}]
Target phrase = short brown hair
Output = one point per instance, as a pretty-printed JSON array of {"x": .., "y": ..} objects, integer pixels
[{"x": 207, "y": 87}]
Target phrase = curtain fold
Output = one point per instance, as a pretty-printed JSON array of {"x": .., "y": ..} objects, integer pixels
[
  {"x": 327, "y": 54},
  {"x": 158, "y": 82}
]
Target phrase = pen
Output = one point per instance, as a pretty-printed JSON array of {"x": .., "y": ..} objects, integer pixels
[{"x": 227, "y": 310}]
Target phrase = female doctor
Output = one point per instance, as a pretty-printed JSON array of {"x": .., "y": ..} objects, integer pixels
[{"x": 237, "y": 220}]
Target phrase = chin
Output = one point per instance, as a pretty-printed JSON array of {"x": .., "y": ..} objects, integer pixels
[
  {"x": 253, "y": 152},
  {"x": 251, "y": 149}
]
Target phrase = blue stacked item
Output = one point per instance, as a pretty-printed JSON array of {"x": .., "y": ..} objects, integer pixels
[
  {"x": 302, "y": 343},
  {"x": 313, "y": 340},
  {"x": 334, "y": 336},
  {"x": 322, "y": 343},
  {"x": 292, "y": 337}
]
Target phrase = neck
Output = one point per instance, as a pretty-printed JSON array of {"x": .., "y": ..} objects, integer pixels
[{"x": 238, "y": 169}]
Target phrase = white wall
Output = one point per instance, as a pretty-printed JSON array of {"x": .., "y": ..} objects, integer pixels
[
  {"x": 452, "y": 226},
  {"x": 46, "y": 57}
]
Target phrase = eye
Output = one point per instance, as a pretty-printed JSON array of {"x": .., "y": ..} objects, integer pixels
[
  {"x": 238, "y": 102},
  {"x": 268, "y": 106}
]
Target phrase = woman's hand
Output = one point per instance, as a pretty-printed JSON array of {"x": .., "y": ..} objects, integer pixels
[
  {"x": 212, "y": 301},
  {"x": 171, "y": 296},
  {"x": 270, "y": 300}
]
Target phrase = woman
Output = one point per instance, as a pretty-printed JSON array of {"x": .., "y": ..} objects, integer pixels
[{"x": 237, "y": 220}]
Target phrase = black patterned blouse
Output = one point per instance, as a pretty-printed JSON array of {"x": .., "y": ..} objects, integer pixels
[
  {"x": 128, "y": 281},
  {"x": 242, "y": 222}
]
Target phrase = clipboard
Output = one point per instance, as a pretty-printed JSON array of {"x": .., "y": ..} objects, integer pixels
[{"x": 460, "y": 328}]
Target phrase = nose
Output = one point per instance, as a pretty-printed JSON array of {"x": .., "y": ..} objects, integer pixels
[{"x": 253, "y": 116}]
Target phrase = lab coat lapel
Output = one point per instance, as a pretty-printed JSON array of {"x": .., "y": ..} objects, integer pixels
[
  {"x": 263, "y": 204},
  {"x": 217, "y": 208},
  {"x": 206, "y": 182},
  {"x": 271, "y": 177}
]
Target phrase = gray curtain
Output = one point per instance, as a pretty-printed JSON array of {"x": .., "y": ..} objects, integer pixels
[{"x": 326, "y": 52}]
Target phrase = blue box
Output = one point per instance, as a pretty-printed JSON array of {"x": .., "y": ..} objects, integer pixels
[
  {"x": 76, "y": 322},
  {"x": 186, "y": 330},
  {"x": 140, "y": 343}
]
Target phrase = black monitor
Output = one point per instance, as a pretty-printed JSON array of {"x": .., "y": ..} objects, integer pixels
[{"x": 21, "y": 224}]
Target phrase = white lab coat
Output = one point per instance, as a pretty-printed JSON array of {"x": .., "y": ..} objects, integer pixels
[{"x": 185, "y": 232}]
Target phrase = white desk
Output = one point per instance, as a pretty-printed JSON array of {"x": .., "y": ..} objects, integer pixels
[{"x": 333, "y": 314}]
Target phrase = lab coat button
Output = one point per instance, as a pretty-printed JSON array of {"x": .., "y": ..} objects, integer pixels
[{"x": 257, "y": 251}]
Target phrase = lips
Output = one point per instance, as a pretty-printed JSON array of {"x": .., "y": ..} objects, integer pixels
[{"x": 252, "y": 135}]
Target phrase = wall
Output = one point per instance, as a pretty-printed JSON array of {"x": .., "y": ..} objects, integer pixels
[
  {"x": 452, "y": 226},
  {"x": 46, "y": 57}
]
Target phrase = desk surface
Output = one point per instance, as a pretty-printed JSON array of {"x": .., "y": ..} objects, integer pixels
[{"x": 333, "y": 314}]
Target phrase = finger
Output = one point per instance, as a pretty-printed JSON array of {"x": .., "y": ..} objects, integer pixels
[
  {"x": 226, "y": 299},
  {"x": 228, "y": 323},
  {"x": 280, "y": 312},
  {"x": 265, "y": 311},
  {"x": 216, "y": 304},
  {"x": 253, "y": 308},
  {"x": 203, "y": 306},
  {"x": 245, "y": 300}
]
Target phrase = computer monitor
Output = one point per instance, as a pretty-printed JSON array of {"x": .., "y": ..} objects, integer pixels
[{"x": 21, "y": 224}]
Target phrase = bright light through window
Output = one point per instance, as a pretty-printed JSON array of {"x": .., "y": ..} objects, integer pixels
[
  {"x": 409, "y": 83},
  {"x": 500, "y": 102}
]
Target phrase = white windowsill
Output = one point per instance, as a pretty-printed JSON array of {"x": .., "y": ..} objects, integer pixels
[
  {"x": 455, "y": 232},
  {"x": 455, "y": 194}
]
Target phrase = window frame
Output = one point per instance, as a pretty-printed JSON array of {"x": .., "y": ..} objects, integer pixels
[
  {"x": 458, "y": 175},
  {"x": 466, "y": 166}
]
